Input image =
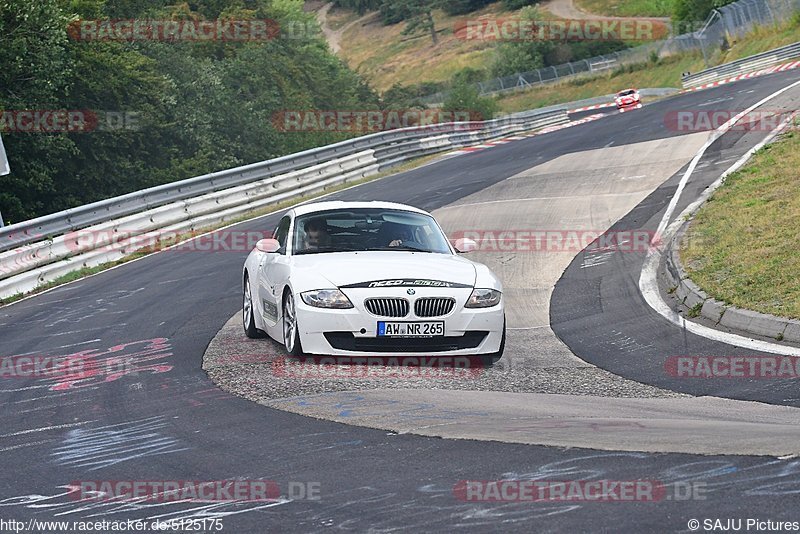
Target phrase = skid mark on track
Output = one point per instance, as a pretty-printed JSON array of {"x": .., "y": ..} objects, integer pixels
[
  {"x": 761, "y": 478},
  {"x": 96, "y": 448},
  {"x": 92, "y": 367}
]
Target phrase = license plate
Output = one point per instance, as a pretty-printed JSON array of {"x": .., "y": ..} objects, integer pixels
[{"x": 409, "y": 329}]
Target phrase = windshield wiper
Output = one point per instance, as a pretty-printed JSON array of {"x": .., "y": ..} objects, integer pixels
[
  {"x": 323, "y": 250},
  {"x": 404, "y": 248}
]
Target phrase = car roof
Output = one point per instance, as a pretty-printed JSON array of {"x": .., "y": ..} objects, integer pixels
[
  {"x": 315, "y": 207},
  {"x": 628, "y": 89}
]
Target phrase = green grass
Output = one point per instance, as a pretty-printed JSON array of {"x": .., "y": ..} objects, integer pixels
[
  {"x": 88, "y": 271},
  {"x": 761, "y": 39},
  {"x": 385, "y": 56},
  {"x": 667, "y": 73},
  {"x": 627, "y": 8},
  {"x": 742, "y": 246}
]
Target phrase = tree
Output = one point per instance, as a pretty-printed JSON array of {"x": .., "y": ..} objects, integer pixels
[
  {"x": 418, "y": 15},
  {"x": 199, "y": 107},
  {"x": 34, "y": 66},
  {"x": 521, "y": 56}
]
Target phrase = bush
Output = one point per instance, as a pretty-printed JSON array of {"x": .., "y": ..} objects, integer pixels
[
  {"x": 512, "y": 58},
  {"x": 517, "y": 4},
  {"x": 401, "y": 97},
  {"x": 459, "y": 7},
  {"x": 392, "y": 13},
  {"x": 361, "y": 6},
  {"x": 696, "y": 11},
  {"x": 468, "y": 75},
  {"x": 465, "y": 97}
]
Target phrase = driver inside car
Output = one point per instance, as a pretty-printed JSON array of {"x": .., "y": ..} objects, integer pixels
[{"x": 316, "y": 234}]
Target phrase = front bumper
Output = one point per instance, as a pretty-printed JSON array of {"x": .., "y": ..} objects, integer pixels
[
  {"x": 632, "y": 105},
  {"x": 353, "y": 332}
]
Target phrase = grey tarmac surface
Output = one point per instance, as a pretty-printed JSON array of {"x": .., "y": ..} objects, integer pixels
[
  {"x": 163, "y": 419},
  {"x": 575, "y": 192},
  {"x": 591, "y": 307},
  {"x": 698, "y": 425}
]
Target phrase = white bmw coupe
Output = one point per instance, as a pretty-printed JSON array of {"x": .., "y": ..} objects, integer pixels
[{"x": 367, "y": 279}]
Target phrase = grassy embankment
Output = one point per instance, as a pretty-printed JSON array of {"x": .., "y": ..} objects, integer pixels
[
  {"x": 385, "y": 56},
  {"x": 627, "y": 8},
  {"x": 665, "y": 73},
  {"x": 742, "y": 246}
]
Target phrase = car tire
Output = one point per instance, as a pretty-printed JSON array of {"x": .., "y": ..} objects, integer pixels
[
  {"x": 489, "y": 360},
  {"x": 249, "y": 312},
  {"x": 291, "y": 330}
]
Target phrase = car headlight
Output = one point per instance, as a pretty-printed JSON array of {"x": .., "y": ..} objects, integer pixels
[
  {"x": 327, "y": 298},
  {"x": 483, "y": 298}
]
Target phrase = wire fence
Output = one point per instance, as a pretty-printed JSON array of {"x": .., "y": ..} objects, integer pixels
[{"x": 723, "y": 24}]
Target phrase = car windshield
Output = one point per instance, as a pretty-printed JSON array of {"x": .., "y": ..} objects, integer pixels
[
  {"x": 627, "y": 92},
  {"x": 369, "y": 229}
]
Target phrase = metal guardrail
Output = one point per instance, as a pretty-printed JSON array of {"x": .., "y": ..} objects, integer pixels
[
  {"x": 609, "y": 99},
  {"x": 743, "y": 66},
  {"x": 22, "y": 233},
  {"x": 36, "y": 251}
]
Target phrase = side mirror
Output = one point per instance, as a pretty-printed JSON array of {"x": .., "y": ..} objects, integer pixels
[
  {"x": 465, "y": 245},
  {"x": 269, "y": 246}
]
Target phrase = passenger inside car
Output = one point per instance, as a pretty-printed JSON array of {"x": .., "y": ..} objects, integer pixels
[{"x": 394, "y": 234}]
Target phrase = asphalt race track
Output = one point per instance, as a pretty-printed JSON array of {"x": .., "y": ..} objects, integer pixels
[{"x": 164, "y": 419}]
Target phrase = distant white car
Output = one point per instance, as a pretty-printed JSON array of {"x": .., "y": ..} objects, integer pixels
[
  {"x": 367, "y": 279},
  {"x": 628, "y": 99}
]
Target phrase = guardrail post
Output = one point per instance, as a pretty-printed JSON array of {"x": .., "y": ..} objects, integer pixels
[
  {"x": 5, "y": 168},
  {"x": 701, "y": 40},
  {"x": 771, "y": 15}
]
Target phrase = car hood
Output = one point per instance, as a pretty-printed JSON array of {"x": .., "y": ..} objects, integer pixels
[{"x": 371, "y": 269}]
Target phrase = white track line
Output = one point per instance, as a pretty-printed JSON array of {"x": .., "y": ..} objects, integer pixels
[{"x": 648, "y": 281}]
